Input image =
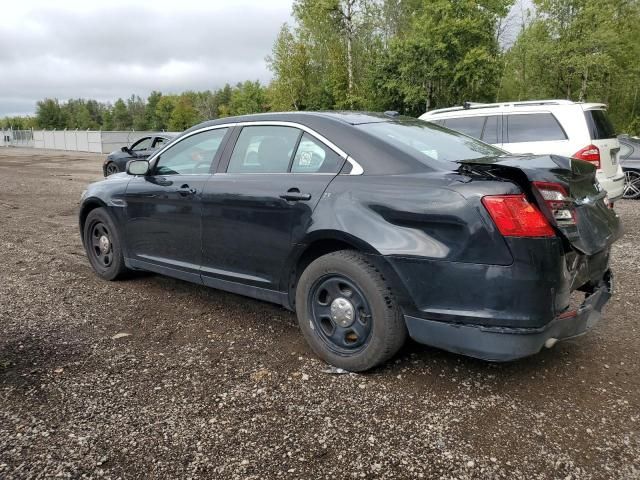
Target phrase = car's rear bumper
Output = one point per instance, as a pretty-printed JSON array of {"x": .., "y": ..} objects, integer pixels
[
  {"x": 613, "y": 185},
  {"x": 501, "y": 344}
]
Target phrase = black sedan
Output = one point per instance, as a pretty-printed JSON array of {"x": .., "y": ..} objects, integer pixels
[
  {"x": 117, "y": 160},
  {"x": 630, "y": 162},
  {"x": 371, "y": 227}
]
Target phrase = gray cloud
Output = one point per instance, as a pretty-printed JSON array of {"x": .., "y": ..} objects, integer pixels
[{"x": 110, "y": 53}]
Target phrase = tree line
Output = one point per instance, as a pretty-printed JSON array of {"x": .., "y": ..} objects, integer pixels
[{"x": 408, "y": 56}]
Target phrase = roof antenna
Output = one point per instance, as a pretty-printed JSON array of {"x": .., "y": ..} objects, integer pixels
[
  {"x": 391, "y": 114},
  {"x": 466, "y": 105}
]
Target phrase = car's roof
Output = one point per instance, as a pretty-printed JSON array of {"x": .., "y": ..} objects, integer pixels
[
  {"x": 340, "y": 128},
  {"x": 344, "y": 117},
  {"x": 470, "y": 109}
]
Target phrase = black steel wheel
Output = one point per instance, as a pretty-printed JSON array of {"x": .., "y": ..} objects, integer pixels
[
  {"x": 347, "y": 312},
  {"x": 341, "y": 314},
  {"x": 102, "y": 244},
  {"x": 112, "y": 168},
  {"x": 631, "y": 184}
]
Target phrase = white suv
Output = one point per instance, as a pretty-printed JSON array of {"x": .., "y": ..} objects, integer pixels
[{"x": 561, "y": 127}]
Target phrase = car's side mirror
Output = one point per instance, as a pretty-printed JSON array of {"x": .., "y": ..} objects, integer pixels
[
  {"x": 138, "y": 167},
  {"x": 125, "y": 149}
]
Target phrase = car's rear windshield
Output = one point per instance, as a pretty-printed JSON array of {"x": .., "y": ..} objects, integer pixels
[
  {"x": 600, "y": 127},
  {"x": 430, "y": 143}
]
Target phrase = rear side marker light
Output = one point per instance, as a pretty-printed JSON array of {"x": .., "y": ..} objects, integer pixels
[
  {"x": 558, "y": 201},
  {"x": 590, "y": 154},
  {"x": 516, "y": 217}
]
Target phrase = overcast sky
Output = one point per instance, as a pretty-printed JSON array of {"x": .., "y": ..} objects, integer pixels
[
  {"x": 105, "y": 50},
  {"x": 108, "y": 49}
]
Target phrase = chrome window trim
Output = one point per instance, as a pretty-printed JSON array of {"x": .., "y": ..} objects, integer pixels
[
  {"x": 356, "y": 168},
  {"x": 155, "y": 156}
]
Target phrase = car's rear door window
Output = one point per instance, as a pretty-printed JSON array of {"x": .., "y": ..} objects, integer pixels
[
  {"x": 314, "y": 157},
  {"x": 264, "y": 149},
  {"x": 533, "y": 127},
  {"x": 471, "y": 126},
  {"x": 600, "y": 127},
  {"x": 191, "y": 156}
]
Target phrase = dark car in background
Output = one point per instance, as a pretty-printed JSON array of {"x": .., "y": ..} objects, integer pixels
[
  {"x": 117, "y": 160},
  {"x": 630, "y": 162},
  {"x": 371, "y": 227}
]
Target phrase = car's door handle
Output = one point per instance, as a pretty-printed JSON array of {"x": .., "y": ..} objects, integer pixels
[
  {"x": 294, "y": 195},
  {"x": 185, "y": 190}
]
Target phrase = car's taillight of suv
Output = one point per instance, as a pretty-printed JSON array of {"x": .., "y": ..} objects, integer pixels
[{"x": 590, "y": 154}]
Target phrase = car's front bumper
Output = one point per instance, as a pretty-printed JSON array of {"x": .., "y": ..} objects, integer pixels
[{"x": 500, "y": 344}]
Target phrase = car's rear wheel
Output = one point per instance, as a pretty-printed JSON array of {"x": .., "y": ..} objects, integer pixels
[
  {"x": 112, "y": 168},
  {"x": 102, "y": 244},
  {"x": 347, "y": 312},
  {"x": 631, "y": 184}
]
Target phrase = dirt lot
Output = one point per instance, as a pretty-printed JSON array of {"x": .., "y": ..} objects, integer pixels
[{"x": 212, "y": 385}]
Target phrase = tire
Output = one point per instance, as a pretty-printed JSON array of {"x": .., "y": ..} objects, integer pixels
[
  {"x": 105, "y": 257},
  {"x": 377, "y": 329},
  {"x": 631, "y": 184},
  {"x": 111, "y": 169}
]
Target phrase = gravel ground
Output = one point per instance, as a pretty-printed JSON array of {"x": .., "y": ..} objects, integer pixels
[{"x": 154, "y": 377}]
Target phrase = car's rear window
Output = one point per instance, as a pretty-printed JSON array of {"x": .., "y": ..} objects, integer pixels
[
  {"x": 430, "y": 143},
  {"x": 600, "y": 127}
]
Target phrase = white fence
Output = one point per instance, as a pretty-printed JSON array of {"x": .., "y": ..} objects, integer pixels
[{"x": 95, "y": 141}]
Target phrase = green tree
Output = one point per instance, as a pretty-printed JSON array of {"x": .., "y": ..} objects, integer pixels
[
  {"x": 583, "y": 50},
  {"x": 248, "y": 97},
  {"x": 121, "y": 116},
  {"x": 449, "y": 54},
  {"x": 49, "y": 114},
  {"x": 137, "y": 109},
  {"x": 184, "y": 115},
  {"x": 164, "y": 109}
]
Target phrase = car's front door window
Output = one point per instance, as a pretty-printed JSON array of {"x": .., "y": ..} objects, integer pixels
[
  {"x": 141, "y": 144},
  {"x": 193, "y": 155}
]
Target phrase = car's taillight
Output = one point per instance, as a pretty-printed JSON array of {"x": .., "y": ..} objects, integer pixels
[
  {"x": 558, "y": 201},
  {"x": 515, "y": 216},
  {"x": 590, "y": 154}
]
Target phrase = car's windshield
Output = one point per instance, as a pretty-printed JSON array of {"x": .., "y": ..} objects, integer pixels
[{"x": 430, "y": 143}]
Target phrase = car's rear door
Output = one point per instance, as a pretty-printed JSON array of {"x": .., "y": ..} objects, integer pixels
[
  {"x": 163, "y": 209},
  {"x": 260, "y": 202}
]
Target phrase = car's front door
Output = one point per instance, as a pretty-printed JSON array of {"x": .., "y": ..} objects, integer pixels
[
  {"x": 163, "y": 209},
  {"x": 253, "y": 208}
]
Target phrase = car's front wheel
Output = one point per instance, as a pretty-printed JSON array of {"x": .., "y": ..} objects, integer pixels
[
  {"x": 347, "y": 312},
  {"x": 102, "y": 244},
  {"x": 111, "y": 168},
  {"x": 631, "y": 184}
]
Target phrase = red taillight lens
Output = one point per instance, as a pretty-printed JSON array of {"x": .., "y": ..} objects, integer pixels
[
  {"x": 558, "y": 201},
  {"x": 516, "y": 217},
  {"x": 590, "y": 154}
]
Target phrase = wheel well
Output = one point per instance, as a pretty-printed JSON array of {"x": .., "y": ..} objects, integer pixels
[
  {"x": 313, "y": 251},
  {"x": 86, "y": 208}
]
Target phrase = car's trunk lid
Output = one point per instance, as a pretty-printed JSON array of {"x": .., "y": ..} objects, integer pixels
[{"x": 596, "y": 226}]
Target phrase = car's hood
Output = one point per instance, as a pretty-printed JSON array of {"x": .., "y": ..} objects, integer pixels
[{"x": 118, "y": 154}]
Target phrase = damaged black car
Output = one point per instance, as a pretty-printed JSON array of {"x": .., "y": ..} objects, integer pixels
[{"x": 372, "y": 227}]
